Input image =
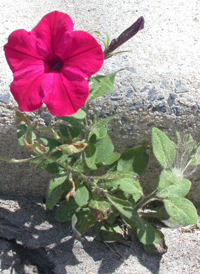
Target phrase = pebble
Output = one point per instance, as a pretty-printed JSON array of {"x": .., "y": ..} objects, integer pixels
[
  {"x": 177, "y": 111},
  {"x": 181, "y": 89},
  {"x": 131, "y": 69},
  {"x": 47, "y": 117},
  {"x": 5, "y": 98},
  {"x": 171, "y": 99},
  {"x": 123, "y": 120},
  {"x": 130, "y": 92},
  {"x": 152, "y": 94},
  {"x": 196, "y": 106},
  {"x": 116, "y": 98},
  {"x": 115, "y": 107},
  {"x": 160, "y": 107},
  {"x": 161, "y": 97},
  {"x": 163, "y": 86},
  {"x": 130, "y": 128},
  {"x": 194, "y": 119},
  {"x": 144, "y": 89},
  {"x": 101, "y": 114}
]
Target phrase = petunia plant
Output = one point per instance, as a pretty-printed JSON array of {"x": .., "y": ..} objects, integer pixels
[{"x": 92, "y": 186}]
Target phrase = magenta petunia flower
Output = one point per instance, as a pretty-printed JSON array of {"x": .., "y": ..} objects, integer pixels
[{"x": 50, "y": 64}]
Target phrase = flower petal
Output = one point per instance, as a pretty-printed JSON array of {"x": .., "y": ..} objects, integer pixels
[
  {"x": 64, "y": 95},
  {"x": 28, "y": 92},
  {"x": 20, "y": 49},
  {"x": 49, "y": 31},
  {"x": 40, "y": 42},
  {"x": 80, "y": 52},
  {"x": 50, "y": 63}
]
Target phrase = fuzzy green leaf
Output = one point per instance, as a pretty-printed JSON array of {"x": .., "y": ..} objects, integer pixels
[
  {"x": 145, "y": 232},
  {"x": 113, "y": 158},
  {"x": 124, "y": 207},
  {"x": 82, "y": 221},
  {"x": 171, "y": 185},
  {"x": 90, "y": 155},
  {"x": 111, "y": 233},
  {"x": 101, "y": 85},
  {"x": 135, "y": 159},
  {"x": 158, "y": 244},
  {"x": 129, "y": 186},
  {"x": 181, "y": 210},
  {"x": 80, "y": 114},
  {"x": 163, "y": 148},
  {"x": 196, "y": 158},
  {"x": 99, "y": 205},
  {"x": 81, "y": 196},
  {"x": 115, "y": 175},
  {"x": 98, "y": 128},
  {"x": 21, "y": 133},
  {"x": 104, "y": 148},
  {"x": 66, "y": 210},
  {"x": 56, "y": 189},
  {"x": 70, "y": 130},
  {"x": 50, "y": 143}
]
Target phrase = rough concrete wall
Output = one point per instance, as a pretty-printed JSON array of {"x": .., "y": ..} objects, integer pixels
[{"x": 159, "y": 87}]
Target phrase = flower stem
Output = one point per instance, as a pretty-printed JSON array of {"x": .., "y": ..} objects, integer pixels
[
  {"x": 19, "y": 161},
  {"x": 90, "y": 184},
  {"x": 146, "y": 200}
]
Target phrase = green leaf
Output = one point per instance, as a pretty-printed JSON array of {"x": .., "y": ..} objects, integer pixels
[
  {"x": 80, "y": 166},
  {"x": 104, "y": 148},
  {"x": 171, "y": 185},
  {"x": 90, "y": 155},
  {"x": 178, "y": 137},
  {"x": 130, "y": 186},
  {"x": 111, "y": 233},
  {"x": 131, "y": 223},
  {"x": 80, "y": 114},
  {"x": 196, "y": 158},
  {"x": 21, "y": 133},
  {"x": 50, "y": 143},
  {"x": 101, "y": 85},
  {"x": 56, "y": 189},
  {"x": 49, "y": 129},
  {"x": 145, "y": 232},
  {"x": 72, "y": 130},
  {"x": 127, "y": 185},
  {"x": 181, "y": 210},
  {"x": 115, "y": 175},
  {"x": 123, "y": 206},
  {"x": 99, "y": 206},
  {"x": 158, "y": 244},
  {"x": 98, "y": 128},
  {"x": 66, "y": 210},
  {"x": 81, "y": 196},
  {"x": 71, "y": 149},
  {"x": 100, "y": 133},
  {"x": 135, "y": 159},
  {"x": 112, "y": 217},
  {"x": 163, "y": 148},
  {"x": 164, "y": 217},
  {"x": 53, "y": 167},
  {"x": 112, "y": 158},
  {"x": 82, "y": 221}
]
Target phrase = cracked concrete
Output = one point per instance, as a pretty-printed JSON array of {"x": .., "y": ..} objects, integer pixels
[{"x": 159, "y": 87}]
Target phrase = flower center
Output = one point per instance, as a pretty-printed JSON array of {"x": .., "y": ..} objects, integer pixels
[{"x": 57, "y": 64}]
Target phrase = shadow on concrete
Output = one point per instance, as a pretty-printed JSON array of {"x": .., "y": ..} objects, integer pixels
[{"x": 31, "y": 237}]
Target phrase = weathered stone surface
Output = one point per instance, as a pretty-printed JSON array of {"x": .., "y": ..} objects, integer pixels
[{"x": 155, "y": 67}]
